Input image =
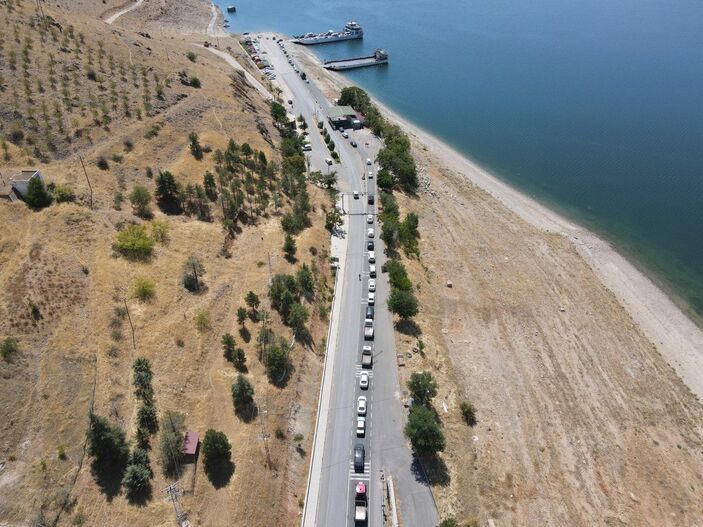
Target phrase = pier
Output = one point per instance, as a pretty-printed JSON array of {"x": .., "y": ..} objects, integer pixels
[{"x": 379, "y": 57}]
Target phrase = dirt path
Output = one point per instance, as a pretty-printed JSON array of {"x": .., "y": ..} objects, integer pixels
[
  {"x": 212, "y": 29},
  {"x": 111, "y": 19},
  {"x": 237, "y": 66}
]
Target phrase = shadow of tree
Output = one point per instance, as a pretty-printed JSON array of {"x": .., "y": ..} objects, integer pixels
[
  {"x": 246, "y": 412},
  {"x": 220, "y": 474},
  {"x": 300, "y": 450},
  {"x": 430, "y": 470},
  {"x": 245, "y": 334},
  {"x": 140, "y": 499},
  {"x": 409, "y": 327},
  {"x": 108, "y": 477}
]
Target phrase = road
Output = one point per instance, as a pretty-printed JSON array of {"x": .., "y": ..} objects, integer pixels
[
  {"x": 386, "y": 447},
  {"x": 124, "y": 11}
]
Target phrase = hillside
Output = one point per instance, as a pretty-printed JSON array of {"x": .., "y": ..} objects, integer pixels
[{"x": 124, "y": 99}]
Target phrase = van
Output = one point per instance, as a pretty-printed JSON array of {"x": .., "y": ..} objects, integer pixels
[
  {"x": 372, "y": 270},
  {"x": 328, "y": 161},
  {"x": 307, "y": 147},
  {"x": 372, "y": 257}
]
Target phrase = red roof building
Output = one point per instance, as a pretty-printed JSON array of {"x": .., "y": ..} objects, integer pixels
[{"x": 190, "y": 443}]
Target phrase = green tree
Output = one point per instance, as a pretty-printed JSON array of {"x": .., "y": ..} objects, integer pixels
[
  {"x": 242, "y": 394},
  {"x": 398, "y": 275},
  {"x": 217, "y": 457},
  {"x": 246, "y": 150},
  {"x": 195, "y": 148},
  {"x": 210, "y": 186},
  {"x": 146, "y": 418},
  {"x": 333, "y": 219},
  {"x": 297, "y": 317},
  {"x": 277, "y": 363},
  {"x": 171, "y": 441},
  {"x": 306, "y": 281},
  {"x": 289, "y": 247},
  {"x": 134, "y": 243},
  {"x": 403, "y": 303},
  {"x": 424, "y": 431},
  {"x": 140, "y": 198},
  {"x": 8, "y": 347},
  {"x": 252, "y": 300},
  {"x": 167, "y": 193},
  {"x": 449, "y": 522},
  {"x": 278, "y": 112},
  {"x": 107, "y": 445},
  {"x": 423, "y": 387},
  {"x": 137, "y": 482},
  {"x": 141, "y": 370},
  {"x": 241, "y": 315},
  {"x": 193, "y": 270},
  {"x": 37, "y": 196}
]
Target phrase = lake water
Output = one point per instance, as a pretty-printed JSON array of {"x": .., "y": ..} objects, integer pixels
[{"x": 595, "y": 108}]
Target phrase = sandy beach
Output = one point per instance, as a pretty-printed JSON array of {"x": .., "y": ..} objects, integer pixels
[{"x": 675, "y": 335}]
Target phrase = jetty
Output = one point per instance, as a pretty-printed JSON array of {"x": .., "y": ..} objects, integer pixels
[{"x": 380, "y": 56}]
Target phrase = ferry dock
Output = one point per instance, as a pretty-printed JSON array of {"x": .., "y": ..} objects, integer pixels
[{"x": 378, "y": 58}]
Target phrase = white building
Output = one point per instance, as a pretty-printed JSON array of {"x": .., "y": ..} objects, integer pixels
[{"x": 16, "y": 186}]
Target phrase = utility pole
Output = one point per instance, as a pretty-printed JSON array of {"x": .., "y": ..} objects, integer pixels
[
  {"x": 129, "y": 317},
  {"x": 88, "y": 180},
  {"x": 174, "y": 493}
]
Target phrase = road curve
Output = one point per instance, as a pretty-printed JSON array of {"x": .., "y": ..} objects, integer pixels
[
  {"x": 112, "y": 18},
  {"x": 237, "y": 66}
]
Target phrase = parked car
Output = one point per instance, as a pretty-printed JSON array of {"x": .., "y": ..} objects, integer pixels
[
  {"x": 360, "y": 426},
  {"x": 370, "y": 245},
  {"x": 372, "y": 257},
  {"x": 364, "y": 380},
  {"x": 368, "y": 329},
  {"x": 290, "y": 101},
  {"x": 370, "y": 174},
  {"x": 370, "y": 233},
  {"x": 372, "y": 270},
  {"x": 353, "y": 143},
  {"x": 359, "y": 457},
  {"x": 345, "y": 135},
  {"x": 372, "y": 298},
  {"x": 356, "y": 194},
  {"x": 372, "y": 284},
  {"x": 371, "y": 199},
  {"x": 369, "y": 219},
  {"x": 328, "y": 161},
  {"x": 369, "y": 312},
  {"x": 368, "y": 161},
  {"x": 361, "y": 405}
]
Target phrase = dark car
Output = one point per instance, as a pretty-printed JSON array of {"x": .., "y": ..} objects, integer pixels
[
  {"x": 369, "y": 312},
  {"x": 369, "y": 245},
  {"x": 371, "y": 199},
  {"x": 359, "y": 455},
  {"x": 353, "y": 143}
]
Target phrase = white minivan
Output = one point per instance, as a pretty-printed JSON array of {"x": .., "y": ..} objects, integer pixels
[
  {"x": 372, "y": 270},
  {"x": 372, "y": 257}
]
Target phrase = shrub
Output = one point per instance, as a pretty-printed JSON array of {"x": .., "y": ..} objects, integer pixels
[
  {"x": 63, "y": 194},
  {"x": 193, "y": 269},
  {"x": 134, "y": 243},
  {"x": 289, "y": 247},
  {"x": 298, "y": 438},
  {"x": 252, "y": 300},
  {"x": 468, "y": 413},
  {"x": 191, "y": 56},
  {"x": 195, "y": 148},
  {"x": 159, "y": 231},
  {"x": 143, "y": 289},
  {"x": 61, "y": 453},
  {"x": 449, "y": 522},
  {"x": 202, "y": 320},
  {"x": 102, "y": 163},
  {"x": 140, "y": 198},
  {"x": 146, "y": 418},
  {"x": 117, "y": 158},
  {"x": 422, "y": 387},
  {"x": 8, "y": 347},
  {"x": 195, "y": 82},
  {"x": 423, "y": 431}
]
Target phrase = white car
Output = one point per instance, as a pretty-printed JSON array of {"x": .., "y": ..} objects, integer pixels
[
  {"x": 368, "y": 161},
  {"x": 372, "y": 257},
  {"x": 370, "y": 175},
  {"x": 369, "y": 219},
  {"x": 370, "y": 233},
  {"x": 372, "y": 298},
  {"x": 364, "y": 380},
  {"x": 360, "y": 426},
  {"x": 356, "y": 194},
  {"x": 345, "y": 135},
  {"x": 372, "y": 271},
  {"x": 372, "y": 285},
  {"x": 361, "y": 405}
]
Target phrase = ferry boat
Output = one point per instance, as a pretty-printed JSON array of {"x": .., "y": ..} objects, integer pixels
[{"x": 351, "y": 31}]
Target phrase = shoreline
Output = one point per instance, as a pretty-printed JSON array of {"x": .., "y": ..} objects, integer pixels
[{"x": 663, "y": 322}]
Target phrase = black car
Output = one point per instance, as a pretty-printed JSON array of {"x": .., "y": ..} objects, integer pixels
[
  {"x": 369, "y": 245},
  {"x": 359, "y": 455},
  {"x": 370, "y": 199},
  {"x": 369, "y": 312},
  {"x": 353, "y": 143}
]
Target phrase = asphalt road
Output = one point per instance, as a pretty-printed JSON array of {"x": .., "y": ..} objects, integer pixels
[{"x": 385, "y": 445}]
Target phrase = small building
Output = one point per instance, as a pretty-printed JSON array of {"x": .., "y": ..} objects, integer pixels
[
  {"x": 191, "y": 442},
  {"x": 341, "y": 116},
  {"x": 15, "y": 187}
]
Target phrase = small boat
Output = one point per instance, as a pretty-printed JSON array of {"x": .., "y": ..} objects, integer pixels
[{"x": 231, "y": 9}]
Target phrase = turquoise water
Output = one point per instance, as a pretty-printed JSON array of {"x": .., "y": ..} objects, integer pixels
[{"x": 595, "y": 108}]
